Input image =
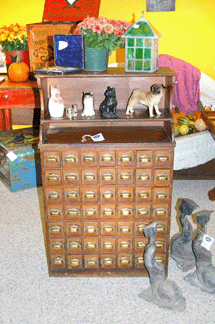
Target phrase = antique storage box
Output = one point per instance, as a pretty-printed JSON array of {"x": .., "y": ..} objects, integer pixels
[
  {"x": 41, "y": 42},
  {"x": 19, "y": 159}
]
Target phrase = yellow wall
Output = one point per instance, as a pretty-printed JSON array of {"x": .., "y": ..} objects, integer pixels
[{"x": 188, "y": 32}]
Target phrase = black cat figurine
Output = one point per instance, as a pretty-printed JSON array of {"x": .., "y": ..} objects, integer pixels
[{"x": 108, "y": 106}]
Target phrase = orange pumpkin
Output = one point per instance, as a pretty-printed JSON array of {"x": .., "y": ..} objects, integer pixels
[
  {"x": 197, "y": 114},
  {"x": 18, "y": 71},
  {"x": 176, "y": 113}
]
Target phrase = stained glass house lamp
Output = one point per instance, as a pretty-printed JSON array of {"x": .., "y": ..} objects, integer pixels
[{"x": 141, "y": 47}]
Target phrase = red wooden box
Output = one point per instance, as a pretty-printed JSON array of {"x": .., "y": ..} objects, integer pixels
[{"x": 72, "y": 10}]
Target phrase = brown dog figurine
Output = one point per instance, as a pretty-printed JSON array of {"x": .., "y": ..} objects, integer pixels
[{"x": 150, "y": 99}]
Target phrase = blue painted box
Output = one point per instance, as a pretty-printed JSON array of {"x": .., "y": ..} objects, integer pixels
[{"x": 20, "y": 159}]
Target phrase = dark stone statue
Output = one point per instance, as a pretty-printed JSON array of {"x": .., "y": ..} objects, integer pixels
[
  {"x": 181, "y": 245},
  {"x": 108, "y": 106},
  {"x": 204, "y": 275},
  {"x": 162, "y": 291}
]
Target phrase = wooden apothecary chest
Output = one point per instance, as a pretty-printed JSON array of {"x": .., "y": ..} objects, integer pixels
[{"x": 99, "y": 196}]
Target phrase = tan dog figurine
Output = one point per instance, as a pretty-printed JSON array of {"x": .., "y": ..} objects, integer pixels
[{"x": 150, "y": 99}]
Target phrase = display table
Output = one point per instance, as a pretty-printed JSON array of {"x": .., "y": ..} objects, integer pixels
[
  {"x": 193, "y": 150},
  {"x": 14, "y": 95}
]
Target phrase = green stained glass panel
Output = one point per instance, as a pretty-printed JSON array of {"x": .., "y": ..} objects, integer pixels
[
  {"x": 146, "y": 65},
  {"x": 140, "y": 29},
  {"x": 130, "y": 42},
  {"x": 130, "y": 53},
  {"x": 139, "y": 53},
  {"x": 147, "y": 53},
  {"x": 130, "y": 65},
  {"x": 139, "y": 42},
  {"x": 148, "y": 42},
  {"x": 138, "y": 65}
]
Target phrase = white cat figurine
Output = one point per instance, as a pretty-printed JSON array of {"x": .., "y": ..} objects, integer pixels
[
  {"x": 88, "y": 105},
  {"x": 55, "y": 105}
]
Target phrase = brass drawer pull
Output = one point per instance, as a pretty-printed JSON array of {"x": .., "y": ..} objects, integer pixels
[
  {"x": 54, "y": 195},
  {"x": 74, "y": 262},
  {"x": 159, "y": 244},
  {"x": 124, "y": 261},
  {"x": 159, "y": 259},
  {"x": 141, "y": 244},
  {"x": 55, "y": 212},
  {"x": 108, "y": 194},
  {"x": 126, "y": 158},
  {"x": 89, "y": 158},
  {"x": 91, "y": 229},
  {"x": 144, "y": 159},
  {"x": 90, "y": 245},
  {"x": 143, "y": 194},
  {"x": 108, "y": 261},
  {"x": 107, "y": 177},
  {"x": 89, "y": 176},
  {"x": 90, "y": 212},
  {"x": 92, "y": 262},
  {"x": 108, "y": 228},
  {"x": 72, "y": 194},
  {"x": 73, "y": 228},
  {"x": 162, "y": 177},
  {"x": 125, "y": 229},
  {"x": 108, "y": 212},
  {"x": 144, "y": 177},
  {"x": 143, "y": 211},
  {"x": 71, "y": 176},
  {"x": 107, "y": 158},
  {"x": 139, "y": 260},
  {"x": 55, "y": 229},
  {"x": 163, "y": 158},
  {"x": 51, "y": 159},
  {"x": 58, "y": 261},
  {"x": 74, "y": 245},
  {"x": 125, "y": 211},
  {"x": 125, "y": 245},
  {"x": 90, "y": 194},
  {"x": 161, "y": 195},
  {"x": 57, "y": 245},
  {"x": 72, "y": 212},
  {"x": 125, "y": 176},
  {"x": 108, "y": 245},
  {"x": 160, "y": 211},
  {"x": 161, "y": 228},
  {"x": 125, "y": 194},
  {"x": 140, "y": 228},
  {"x": 53, "y": 177},
  {"x": 70, "y": 159}
]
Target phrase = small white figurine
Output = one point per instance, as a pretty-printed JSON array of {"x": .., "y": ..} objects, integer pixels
[
  {"x": 55, "y": 105},
  {"x": 88, "y": 105}
]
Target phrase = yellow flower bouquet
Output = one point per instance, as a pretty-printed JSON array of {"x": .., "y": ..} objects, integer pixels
[{"x": 13, "y": 38}]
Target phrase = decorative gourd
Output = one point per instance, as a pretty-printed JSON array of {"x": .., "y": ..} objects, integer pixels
[
  {"x": 176, "y": 113},
  {"x": 183, "y": 121},
  {"x": 200, "y": 124},
  {"x": 18, "y": 71},
  {"x": 197, "y": 114}
]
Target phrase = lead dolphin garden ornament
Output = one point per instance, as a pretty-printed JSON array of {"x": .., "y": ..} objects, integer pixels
[
  {"x": 150, "y": 99},
  {"x": 204, "y": 275},
  {"x": 162, "y": 291},
  {"x": 181, "y": 245}
]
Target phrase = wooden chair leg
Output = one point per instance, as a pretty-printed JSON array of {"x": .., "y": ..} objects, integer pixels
[
  {"x": 8, "y": 120},
  {"x": 2, "y": 120}
]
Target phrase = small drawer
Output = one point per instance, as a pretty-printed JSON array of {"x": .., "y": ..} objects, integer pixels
[
  {"x": 89, "y": 159},
  {"x": 108, "y": 228},
  {"x": 90, "y": 211},
  {"x": 107, "y": 194},
  {"x": 70, "y": 159},
  {"x": 57, "y": 246},
  {"x": 72, "y": 194},
  {"x": 53, "y": 195},
  {"x": 107, "y": 211},
  {"x": 55, "y": 212},
  {"x": 139, "y": 260},
  {"x": 107, "y": 176},
  {"x": 144, "y": 177},
  {"x": 139, "y": 226},
  {"x": 162, "y": 228},
  {"x": 89, "y": 194},
  {"x": 125, "y": 228},
  {"x": 143, "y": 194},
  {"x": 140, "y": 244},
  {"x": 91, "y": 229},
  {"x": 162, "y": 178},
  {"x": 125, "y": 211},
  {"x": 107, "y": 158},
  {"x": 55, "y": 229},
  {"x": 124, "y": 260},
  {"x": 126, "y": 158},
  {"x": 51, "y": 159},
  {"x": 108, "y": 261},
  {"x": 71, "y": 177},
  {"x": 124, "y": 244},
  {"x": 89, "y": 176},
  {"x": 73, "y": 229},
  {"x": 160, "y": 211},
  {"x": 91, "y": 261},
  {"x": 143, "y": 211},
  {"x": 75, "y": 262},
  {"x": 161, "y": 195},
  {"x": 125, "y": 176},
  {"x": 163, "y": 158},
  {"x": 91, "y": 245},
  {"x": 160, "y": 258},
  {"x": 144, "y": 159},
  {"x": 57, "y": 261},
  {"x": 125, "y": 194},
  {"x": 73, "y": 212},
  {"x": 74, "y": 245},
  {"x": 52, "y": 177},
  {"x": 108, "y": 245}
]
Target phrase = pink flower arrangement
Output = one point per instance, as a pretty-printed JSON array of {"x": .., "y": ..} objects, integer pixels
[{"x": 102, "y": 32}]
